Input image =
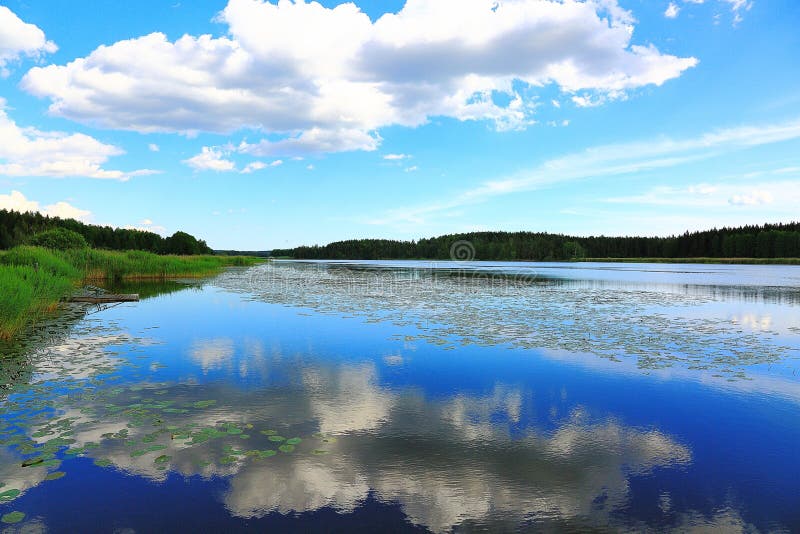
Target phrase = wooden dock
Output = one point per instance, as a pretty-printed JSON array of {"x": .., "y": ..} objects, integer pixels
[{"x": 105, "y": 299}]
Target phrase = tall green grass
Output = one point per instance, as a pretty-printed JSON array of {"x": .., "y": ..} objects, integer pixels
[{"x": 33, "y": 280}]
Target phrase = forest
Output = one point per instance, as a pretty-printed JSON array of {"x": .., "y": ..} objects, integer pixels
[
  {"x": 764, "y": 241},
  {"x": 19, "y": 228}
]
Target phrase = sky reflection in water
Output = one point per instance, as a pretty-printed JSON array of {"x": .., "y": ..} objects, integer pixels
[{"x": 307, "y": 396}]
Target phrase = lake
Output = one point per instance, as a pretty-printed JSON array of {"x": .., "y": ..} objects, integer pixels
[{"x": 414, "y": 396}]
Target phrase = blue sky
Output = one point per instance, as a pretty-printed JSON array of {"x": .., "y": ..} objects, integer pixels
[{"x": 258, "y": 125}]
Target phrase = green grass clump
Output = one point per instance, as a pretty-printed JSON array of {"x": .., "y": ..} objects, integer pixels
[
  {"x": 33, "y": 279},
  {"x": 27, "y": 293}
]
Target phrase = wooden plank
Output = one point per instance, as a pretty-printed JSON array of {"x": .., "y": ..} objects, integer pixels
[{"x": 102, "y": 299}]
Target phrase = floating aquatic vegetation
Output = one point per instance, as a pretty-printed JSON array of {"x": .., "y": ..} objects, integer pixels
[
  {"x": 9, "y": 495},
  {"x": 652, "y": 325},
  {"x": 286, "y": 448},
  {"x": 12, "y": 517}
]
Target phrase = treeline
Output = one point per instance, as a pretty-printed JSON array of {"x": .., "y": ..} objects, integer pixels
[
  {"x": 251, "y": 253},
  {"x": 19, "y": 228},
  {"x": 767, "y": 241}
]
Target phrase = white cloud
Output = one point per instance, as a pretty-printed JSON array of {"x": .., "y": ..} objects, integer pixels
[
  {"x": 210, "y": 159},
  {"x": 17, "y": 201},
  {"x": 325, "y": 80},
  {"x": 737, "y": 7},
  {"x": 147, "y": 222},
  {"x": 32, "y": 152},
  {"x": 604, "y": 161},
  {"x": 18, "y": 39},
  {"x": 153, "y": 147},
  {"x": 588, "y": 101},
  {"x": 672, "y": 10},
  {"x": 396, "y": 157},
  {"x": 258, "y": 165},
  {"x": 310, "y": 167},
  {"x": 413, "y": 168},
  {"x": 313, "y": 141},
  {"x": 753, "y": 198},
  {"x": 556, "y": 103},
  {"x": 719, "y": 195},
  {"x": 254, "y": 166}
]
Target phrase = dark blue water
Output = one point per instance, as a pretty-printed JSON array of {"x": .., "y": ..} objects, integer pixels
[{"x": 296, "y": 397}]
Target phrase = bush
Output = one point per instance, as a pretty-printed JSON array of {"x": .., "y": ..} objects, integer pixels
[{"x": 59, "y": 239}]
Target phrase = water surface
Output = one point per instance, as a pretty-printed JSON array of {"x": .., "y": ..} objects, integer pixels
[{"x": 415, "y": 396}]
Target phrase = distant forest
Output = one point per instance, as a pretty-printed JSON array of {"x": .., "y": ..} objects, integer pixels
[
  {"x": 767, "y": 241},
  {"x": 18, "y": 228}
]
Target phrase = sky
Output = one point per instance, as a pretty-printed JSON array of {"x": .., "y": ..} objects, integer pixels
[{"x": 260, "y": 124}]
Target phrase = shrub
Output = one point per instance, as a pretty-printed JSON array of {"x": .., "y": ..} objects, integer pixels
[{"x": 59, "y": 239}]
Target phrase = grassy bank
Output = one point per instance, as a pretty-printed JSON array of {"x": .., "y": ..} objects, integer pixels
[
  {"x": 731, "y": 261},
  {"x": 33, "y": 280}
]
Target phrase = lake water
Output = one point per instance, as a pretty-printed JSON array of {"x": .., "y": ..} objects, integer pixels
[{"x": 415, "y": 396}]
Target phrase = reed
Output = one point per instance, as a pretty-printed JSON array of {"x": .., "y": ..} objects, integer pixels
[{"x": 33, "y": 279}]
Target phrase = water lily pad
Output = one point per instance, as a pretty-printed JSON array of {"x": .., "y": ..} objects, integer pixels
[
  {"x": 319, "y": 452},
  {"x": 12, "y": 517},
  {"x": 234, "y": 430},
  {"x": 162, "y": 459},
  {"x": 293, "y": 441},
  {"x": 204, "y": 404},
  {"x": 269, "y": 432},
  {"x": 267, "y": 453},
  {"x": 9, "y": 495},
  {"x": 55, "y": 475},
  {"x": 286, "y": 448},
  {"x": 277, "y": 438}
]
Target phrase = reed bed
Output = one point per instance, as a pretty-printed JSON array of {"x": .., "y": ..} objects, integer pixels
[{"x": 33, "y": 280}]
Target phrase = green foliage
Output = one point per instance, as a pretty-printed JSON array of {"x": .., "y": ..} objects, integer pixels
[
  {"x": 767, "y": 241},
  {"x": 34, "y": 279},
  {"x": 59, "y": 239},
  {"x": 19, "y": 228},
  {"x": 50, "y": 262},
  {"x": 183, "y": 243}
]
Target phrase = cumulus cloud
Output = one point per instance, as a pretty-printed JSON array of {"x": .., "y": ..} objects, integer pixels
[
  {"x": 325, "y": 80},
  {"x": 396, "y": 157},
  {"x": 210, "y": 159},
  {"x": 152, "y": 147},
  {"x": 18, "y": 38},
  {"x": 16, "y": 201},
  {"x": 672, "y": 10},
  {"x": 32, "y": 152}
]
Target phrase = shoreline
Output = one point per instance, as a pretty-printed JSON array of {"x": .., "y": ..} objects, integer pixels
[
  {"x": 34, "y": 281},
  {"x": 674, "y": 261}
]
